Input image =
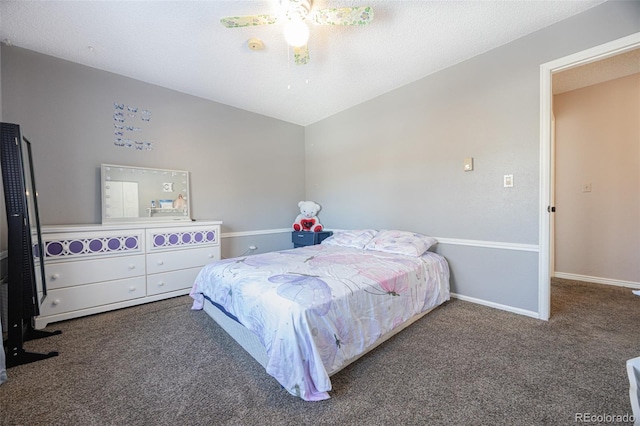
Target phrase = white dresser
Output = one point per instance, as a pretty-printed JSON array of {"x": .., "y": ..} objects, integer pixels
[{"x": 98, "y": 268}]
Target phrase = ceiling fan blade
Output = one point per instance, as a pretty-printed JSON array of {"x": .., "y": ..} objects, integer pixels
[
  {"x": 248, "y": 21},
  {"x": 301, "y": 55},
  {"x": 344, "y": 16}
]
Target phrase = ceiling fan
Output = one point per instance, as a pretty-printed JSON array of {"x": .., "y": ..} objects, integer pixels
[{"x": 295, "y": 13}]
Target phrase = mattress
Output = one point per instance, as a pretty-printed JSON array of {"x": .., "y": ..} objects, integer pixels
[{"x": 313, "y": 310}]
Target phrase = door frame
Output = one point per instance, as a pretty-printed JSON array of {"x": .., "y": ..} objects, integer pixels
[{"x": 545, "y": 260}]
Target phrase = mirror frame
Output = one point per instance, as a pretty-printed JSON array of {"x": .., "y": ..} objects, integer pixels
[{"x": 146, "y": 214}]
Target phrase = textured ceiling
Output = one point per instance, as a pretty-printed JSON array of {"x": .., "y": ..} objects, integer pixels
[
  {"x": 181, "y": 45},
  {"x": 618, "y": 66}
]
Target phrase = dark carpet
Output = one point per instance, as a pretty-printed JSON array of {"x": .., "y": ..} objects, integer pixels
[{"x": 463, "y": 364}]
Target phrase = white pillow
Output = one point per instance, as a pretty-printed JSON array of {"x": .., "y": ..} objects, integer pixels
[
  {"x": 401, "y": 242},
  {"x": 356, "y": 238}
]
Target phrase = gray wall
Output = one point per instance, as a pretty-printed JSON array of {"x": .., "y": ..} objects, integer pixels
[
  {"x": 396, "y": 161},
  {"x": 393, "y": 162},
  {"x": 246, "y": 169}
]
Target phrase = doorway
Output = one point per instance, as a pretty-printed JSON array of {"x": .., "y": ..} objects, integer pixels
[{"x": 545, "y": 257}]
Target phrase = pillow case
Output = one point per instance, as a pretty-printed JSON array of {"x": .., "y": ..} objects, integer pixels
[
  {"x": 356, "y": 238},
  {"x": 401, "y": 242}
]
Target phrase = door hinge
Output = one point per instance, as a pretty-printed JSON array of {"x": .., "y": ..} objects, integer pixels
[{"x": 551, "y": 209}]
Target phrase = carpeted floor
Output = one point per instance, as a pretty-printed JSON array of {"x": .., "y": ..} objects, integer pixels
[{"x": 463, "y": 364}]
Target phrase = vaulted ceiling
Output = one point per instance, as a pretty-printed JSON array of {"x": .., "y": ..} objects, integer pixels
[{"x": 182, "y": 45}]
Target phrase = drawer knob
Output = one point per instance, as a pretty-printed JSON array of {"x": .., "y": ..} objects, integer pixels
[
  {"x": 56, "y": 302},
  {"x": 132, "y": 266},
  {"x": 55, "y": 276},
  {"x": 211, "y": 256},
  {"x": 160, "y": 284},
  {"x": 132, "y": 289},
  {"x": 160, "y": 262}
]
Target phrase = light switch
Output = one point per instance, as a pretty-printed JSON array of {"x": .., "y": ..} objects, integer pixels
[
  {"x": 468, "y": 164},
  {"x": 508, "y": 181}
]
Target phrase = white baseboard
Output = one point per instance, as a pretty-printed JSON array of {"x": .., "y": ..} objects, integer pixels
[
  {"x": 497, "y": 306},
  {"x": 597, "y": 280}
]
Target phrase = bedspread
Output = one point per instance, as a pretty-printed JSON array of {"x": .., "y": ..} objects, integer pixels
[{"x": 316, "y": 308}]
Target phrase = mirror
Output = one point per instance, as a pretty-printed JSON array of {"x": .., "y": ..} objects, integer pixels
[{"x": 136, "y": 194}]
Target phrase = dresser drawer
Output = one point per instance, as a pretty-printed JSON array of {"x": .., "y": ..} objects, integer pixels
[
  {"x": 68, "y": 274},
  {"x": 171, "y": 281},
  {"x": 92, "y": 295},
  {"x": 159, "y": 239},
  {"x": 181, "y": 259}
]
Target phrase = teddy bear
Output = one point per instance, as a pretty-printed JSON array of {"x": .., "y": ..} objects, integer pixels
[{"x": 308, "y": 220}]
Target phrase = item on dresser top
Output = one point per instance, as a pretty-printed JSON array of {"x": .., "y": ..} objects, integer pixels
[
  {"x": 140, "y": 194},
  {"x": 306, "y": 313},
  {"x": 308, "y": 220},
  {"x": 180, "y": 202}
]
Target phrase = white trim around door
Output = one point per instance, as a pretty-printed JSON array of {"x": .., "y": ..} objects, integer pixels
[{"x": 546, "y": 70}]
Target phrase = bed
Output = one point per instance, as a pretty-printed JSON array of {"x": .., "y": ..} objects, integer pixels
[{"x": 306, "y": 313}]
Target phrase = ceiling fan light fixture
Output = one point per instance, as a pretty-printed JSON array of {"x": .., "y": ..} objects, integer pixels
[
  {"x": 296, "y": 33},
  {"x": 293, "y": 14}
]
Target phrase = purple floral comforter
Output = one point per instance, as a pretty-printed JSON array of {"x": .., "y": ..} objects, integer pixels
[{"x": 317, "y": 308}]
